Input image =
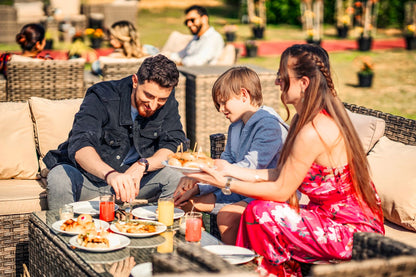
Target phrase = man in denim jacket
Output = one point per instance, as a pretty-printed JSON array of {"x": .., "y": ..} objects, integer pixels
[{"x": 121, "y": 134}]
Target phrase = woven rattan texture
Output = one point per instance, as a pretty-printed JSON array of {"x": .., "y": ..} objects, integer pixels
[
  {"x": 397, "y": 128},
  {"x": 13, "y": 244},
  {"x": 118, "y": 70},
  {"x": 48, "y": 254},
  {"x": 202, "y": 118},
  {"x": 180, "y": 95},
  {"x": 48, "y": 79},
  {"x": 3, "y": 95}
]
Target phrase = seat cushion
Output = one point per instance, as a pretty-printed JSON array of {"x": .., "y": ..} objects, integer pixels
[
  {"x": 393, "y": 171},
  {"x": 18, "y": 157},
  {"x": 21, "y": 196}
]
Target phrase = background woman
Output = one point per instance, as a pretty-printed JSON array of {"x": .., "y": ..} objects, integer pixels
[
  {"x": 323, "y": 158},
  {"x": 31, "y": 39}
]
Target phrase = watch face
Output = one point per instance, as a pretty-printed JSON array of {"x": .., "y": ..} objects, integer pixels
[{"x": 226, "y": 191}]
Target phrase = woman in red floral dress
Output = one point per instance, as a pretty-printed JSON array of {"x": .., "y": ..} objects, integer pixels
[{"x": 323, "y": 158}]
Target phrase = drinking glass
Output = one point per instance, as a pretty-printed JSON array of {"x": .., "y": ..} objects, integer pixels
[
  {"x": 66, "y": 212},
  {"x": 167, "y": 245},
  {"x": 107, "y": 205},
  {"x": 166, "y": 210},
  {"x": 193, "y": 229}
]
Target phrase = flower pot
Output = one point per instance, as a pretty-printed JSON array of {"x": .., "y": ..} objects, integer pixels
[
  {"x": 48, "y": 44},
  {"x": 365, "y": 80},
  {"x": 313, "y": 41},
  {"x": 410, "y": 42},
  {"x": 258, "y": 32},
  {"x": 364, "y": 44},
  {"x": 96, "y": 43},
  {"x": 251, "y": 51},
  {"x": 230, "y": 36},
  {"x": 342, "y": 31}
]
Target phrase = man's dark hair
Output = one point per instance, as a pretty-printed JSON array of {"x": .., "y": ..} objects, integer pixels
[
  {"x": 200, "y": 10},
  {"x": 158, "y": 69}
]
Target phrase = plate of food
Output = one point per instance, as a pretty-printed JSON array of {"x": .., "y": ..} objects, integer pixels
[
  {"x": 88, "y": 207},
  {"x": 138, "y": 228},
  {"x": 232, "y": 254},
  {"x": 188, "y": 162},
  {"x": 150, "y": 213},
  {"x": 99, "y": 241},
  {"x": 80, "y": 224}
]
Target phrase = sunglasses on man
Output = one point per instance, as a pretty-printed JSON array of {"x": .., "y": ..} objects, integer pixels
[{"x": 189, "y": 19}]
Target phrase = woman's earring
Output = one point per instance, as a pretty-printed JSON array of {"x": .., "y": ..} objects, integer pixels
[{"x": 302, "y": 93}]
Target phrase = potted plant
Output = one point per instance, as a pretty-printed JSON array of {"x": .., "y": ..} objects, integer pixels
[
  {"x": 95, "y": 36},
  {"x": 365, "y": 19},
  {"x": 344, "y": 11},
  {"x": 230, "y": 31},
  {"x": 251, "y": 48},
  {"x": 410, "y": 25},
  {"x": 366, "y": 72},
  {"x": 48, "y": 40},
  {"x": 312, "y": 19},
  {"x": 257, "y": 27}
]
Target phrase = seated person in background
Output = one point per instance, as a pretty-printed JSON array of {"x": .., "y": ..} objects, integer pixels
[
  {"x": 121, "y": 134},
  {"x": 206, "y": 45},
  {"x": 31, "y": 39},
  {"x": 322, "y": 157},
  {"x": 255, "y": 139},
  {"x": 126, "y": 43}
]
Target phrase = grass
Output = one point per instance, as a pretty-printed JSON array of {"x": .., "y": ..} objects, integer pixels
[{"x": 394, "y": 84}]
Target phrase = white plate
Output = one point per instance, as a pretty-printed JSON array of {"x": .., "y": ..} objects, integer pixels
[
  {"x": 182, "y": 169},
  {"x": 116, "y": 242},
  {"x": 142, "y": 270},
  {"x": 246, "y": 254},
  {"x": 88, "y": 207},
  {"x": 160, "y": 228},
  {"x": 149, "y": 212},
  {"x": 99, "y": 224}
]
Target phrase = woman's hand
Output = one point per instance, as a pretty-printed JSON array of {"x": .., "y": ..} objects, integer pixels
[
  {"x": 222, "y": 165},
  {"x": 209, "y": 176}
]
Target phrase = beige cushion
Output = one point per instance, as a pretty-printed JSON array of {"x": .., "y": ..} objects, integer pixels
[
  {"x": 228, "y": 55},
  {"x": 394, "y": 175},
  {"x": 17, "y": 143},
  {"x": 53, "y": 120},
  {"x": 31, "y": 11},
  {"x": 67, "y": 8},
  {"x": 26, "y": 196},
  {"x": 176, "y": 42},
  {"x": 369, "y": 128},
  {"x": 399, "y": 233}
]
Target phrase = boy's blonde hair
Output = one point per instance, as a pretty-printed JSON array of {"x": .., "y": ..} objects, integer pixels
[{"x": 232, "y": 81}]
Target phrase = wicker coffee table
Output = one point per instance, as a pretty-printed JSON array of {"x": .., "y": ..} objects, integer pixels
[{"x": 51, "y": 255}]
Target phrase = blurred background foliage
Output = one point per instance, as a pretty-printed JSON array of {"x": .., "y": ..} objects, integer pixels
[{"x": 390, "y": 14}]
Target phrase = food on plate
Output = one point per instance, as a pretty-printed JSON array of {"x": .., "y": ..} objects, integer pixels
[
  {"x": 135, "y": 227},
  {"x": 84, "y": 222},
  {"x": 190, "y": 159},
  {"x": 93, "y": 239}
]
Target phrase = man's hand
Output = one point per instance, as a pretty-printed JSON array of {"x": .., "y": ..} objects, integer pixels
[
  {"x": 136, "y": 172},
  {"x": 123, "y": 185}
]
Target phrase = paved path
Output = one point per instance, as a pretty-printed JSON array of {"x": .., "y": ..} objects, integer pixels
[{"x": 267, "y": 48}]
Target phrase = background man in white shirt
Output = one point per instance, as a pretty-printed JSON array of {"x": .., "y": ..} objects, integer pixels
[{"x": 206, "y": 45}]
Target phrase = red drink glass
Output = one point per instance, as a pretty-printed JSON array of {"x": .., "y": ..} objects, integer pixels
[
  {"x": 193, "y": 230},
  {"x": 107, "y": 207}
]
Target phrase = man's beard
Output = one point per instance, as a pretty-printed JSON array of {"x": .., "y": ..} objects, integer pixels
[{"x": 197, "y": 30}]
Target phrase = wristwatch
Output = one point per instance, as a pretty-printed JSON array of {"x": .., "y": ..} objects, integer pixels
[
  {"x": 227, "y": 189},
  {"x": 144, "y": 162}
]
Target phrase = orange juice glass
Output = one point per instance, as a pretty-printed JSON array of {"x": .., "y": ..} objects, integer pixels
[
  {"x": 167, "y": 245},
  {"x": 165, "y": 209},
  {"x": 107, "y": 206}
]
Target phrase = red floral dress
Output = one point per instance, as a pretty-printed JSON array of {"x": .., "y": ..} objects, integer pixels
[{"x": 321, "y": 232}]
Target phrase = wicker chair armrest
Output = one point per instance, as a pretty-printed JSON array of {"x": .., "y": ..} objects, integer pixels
[{"x": 3, "y": 95}]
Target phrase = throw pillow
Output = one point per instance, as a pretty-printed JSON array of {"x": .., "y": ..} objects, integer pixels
[
  {"x": 394, "y": 175},
  {"x": 369, "y": 128},
  {"x": 53, "y": 120},
  {"x": 17, "y": 144}
]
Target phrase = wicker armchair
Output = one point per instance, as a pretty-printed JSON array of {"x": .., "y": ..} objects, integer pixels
[
  {"x": 373, "y": 254},
  {"x": 55, "y": 79},
  {"x": 115, "y": 69},
  {"x": 3, "y": 95}
]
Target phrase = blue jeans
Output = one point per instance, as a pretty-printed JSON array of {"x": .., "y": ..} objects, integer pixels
[{"x": 66, "y": 185}]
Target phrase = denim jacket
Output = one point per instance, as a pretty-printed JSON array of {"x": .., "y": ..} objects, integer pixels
[{"x": 104, "y": 122}]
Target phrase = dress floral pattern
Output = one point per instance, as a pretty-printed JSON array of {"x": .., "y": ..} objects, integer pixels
[{"x": 320, "y": 232}]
